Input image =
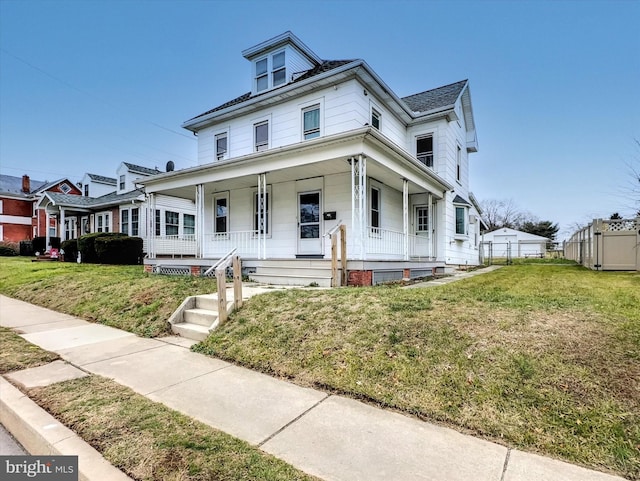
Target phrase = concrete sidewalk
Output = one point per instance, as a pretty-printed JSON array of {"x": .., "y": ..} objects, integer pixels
[{"x": 332, "y": 437}]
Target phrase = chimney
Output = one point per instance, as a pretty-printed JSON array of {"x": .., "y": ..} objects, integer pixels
[{"x": 26, "y": 184}]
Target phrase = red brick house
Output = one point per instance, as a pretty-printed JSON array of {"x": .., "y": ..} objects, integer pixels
[{"x": 20, "y": 219}]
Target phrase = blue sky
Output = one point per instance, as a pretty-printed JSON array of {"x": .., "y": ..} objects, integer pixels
[{"x": 85, "y": 85}]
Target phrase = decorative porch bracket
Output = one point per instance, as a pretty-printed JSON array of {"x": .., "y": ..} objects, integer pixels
[{"x": 358, "y": 202}]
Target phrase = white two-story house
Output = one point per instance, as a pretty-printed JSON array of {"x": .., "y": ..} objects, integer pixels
[{"x": 320, "y": 143}]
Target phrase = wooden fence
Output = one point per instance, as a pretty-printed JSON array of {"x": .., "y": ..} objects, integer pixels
[{"x": 607, "y": 245}]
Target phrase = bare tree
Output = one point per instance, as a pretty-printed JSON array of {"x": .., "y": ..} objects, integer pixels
[
  {"x": 631, "y": 190},
  {"x": 504, "y": 213}
]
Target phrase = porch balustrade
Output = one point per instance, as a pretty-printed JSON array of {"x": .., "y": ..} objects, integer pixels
[
  {"x": 218, "y": 244},
  {"x": 386, "y": 242},
  {"x": 184, "y": 245}
]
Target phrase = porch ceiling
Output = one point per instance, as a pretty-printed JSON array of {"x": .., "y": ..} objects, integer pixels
[{"x": 318, "y": 169}]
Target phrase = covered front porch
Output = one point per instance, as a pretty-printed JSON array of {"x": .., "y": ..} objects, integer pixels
[{"x": 287, "y": 206}]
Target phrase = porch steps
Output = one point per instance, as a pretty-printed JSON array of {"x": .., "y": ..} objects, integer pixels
[{"x": 198, "y": 315}]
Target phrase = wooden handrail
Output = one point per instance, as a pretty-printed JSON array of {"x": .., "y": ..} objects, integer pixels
[{"x": 227, "y": 258}]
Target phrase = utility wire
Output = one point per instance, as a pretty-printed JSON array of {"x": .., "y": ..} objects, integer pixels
[{"x": 108, "y": 104}]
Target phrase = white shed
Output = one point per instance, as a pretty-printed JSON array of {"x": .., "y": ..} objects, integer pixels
[{"x": 507, "y": 242}]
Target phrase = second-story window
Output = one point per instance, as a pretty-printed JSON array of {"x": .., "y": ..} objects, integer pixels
[
  {"x": 279, "y": 73},
  {"x": 311, "y": 122},
  {"x": 86, "y": 190},
  {"x": 122, "y": 182},
  {"x": 262, "y": 78},
  {"x": 261, "y": 136},
  {"x": 424, "y": 150},
  {"x": 459, "y": 164},
  {"x": 375, "y": 118},
  {"x": 221, "y": 146}
]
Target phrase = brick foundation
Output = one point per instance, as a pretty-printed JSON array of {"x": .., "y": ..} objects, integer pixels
[
  {"x": 148, "y": 268},
  {"x": 195, "y": 271},
  {"x": 360, "y": 278}
]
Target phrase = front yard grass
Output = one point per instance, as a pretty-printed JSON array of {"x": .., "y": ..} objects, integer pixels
[
  {"x": 544, "y": 358},
  {"x": 124, "y": 297}
]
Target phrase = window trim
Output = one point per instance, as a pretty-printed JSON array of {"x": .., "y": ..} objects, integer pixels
[
  {"x": 261, "y": 75},
  {"x": 121, "y": 182},
  {"x": 220, "y": 195},
  {"x": 318, "y": 129},
  {"x": 419, "y": 137},
  {"x": 374, "y": 229},
  {"x": 282, "y": 68},
  {"x": 376, "y": 114},
  {"x": 465, "y": 221},
  {"x": 222, "y": 134},
  {"x": 167, "y": 224},
  {"x": 458, "y": 163},
  {"x": 184, "y": 224},
  {"x": 263, "y": 146},
  {"x": 64, "y": 188}
]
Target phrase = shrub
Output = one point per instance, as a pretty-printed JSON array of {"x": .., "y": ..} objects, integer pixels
[
  {"x": 8, "y": 249},
  {"x": 87, "y": 248},
  {"x": 26, "y": 248},
  {"x": 70, "y": 248},
  {"x": 120, "y": 249}
]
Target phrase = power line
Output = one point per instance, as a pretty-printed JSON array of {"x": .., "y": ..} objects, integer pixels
[{"x": 108, "y": 104}]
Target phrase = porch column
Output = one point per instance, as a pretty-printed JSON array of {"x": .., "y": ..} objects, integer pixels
[
  {"x": 262, "y": 220},
  {"x": 62, "y": 230},
  {"x": 151, "y": 225},
  {"x": 199, "y": 220},
  {"x": 431, "y": 225},
  {"x": 358, "y": 202},
  {"x": 405, "y": 217},
  {"x": 47, "y": 231}
]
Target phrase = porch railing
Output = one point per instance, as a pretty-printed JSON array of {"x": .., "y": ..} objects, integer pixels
[
  {"x": 218, "y": 244},
  {"x": 175, "y": 245},
  {"x": 392, "y": 243}
]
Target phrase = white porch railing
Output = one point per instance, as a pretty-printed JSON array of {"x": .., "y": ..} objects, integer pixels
[
  {"x": 217, "y": 245},
  {"x": 386, "y": 242},
  {"x": 184, "y": 245}
]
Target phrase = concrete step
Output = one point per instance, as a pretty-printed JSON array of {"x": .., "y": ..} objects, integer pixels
[
  {"x": 210, "y": 301},
  {"x": 202, "y": 317},
  {"x": 291, "y": 280},
  {"x": 190, "y": 331},
  {"x": 299, "y": 271}
]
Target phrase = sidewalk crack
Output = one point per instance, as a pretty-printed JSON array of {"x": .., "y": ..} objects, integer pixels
[
  {"x": 506, "y": 462},
  {"x": 269, "y": 438}
]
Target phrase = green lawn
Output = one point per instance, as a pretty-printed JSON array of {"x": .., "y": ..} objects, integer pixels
[
  {"x": 120, "y": 296},
  {"x": 541, "y": 357}
]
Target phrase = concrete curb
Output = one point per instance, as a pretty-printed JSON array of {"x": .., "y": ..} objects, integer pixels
[{"x": 42, "y": 434}]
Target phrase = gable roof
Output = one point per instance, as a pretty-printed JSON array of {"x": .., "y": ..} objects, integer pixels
[
  {"x": 102, "y": 179},
  {"x": 139, "y": 169},
  {"x": 437, "y": 98},
  {"x": 520, "y": 234},
  {"x": 11, "y": 184},
  {"x": 82, "y": 202}
]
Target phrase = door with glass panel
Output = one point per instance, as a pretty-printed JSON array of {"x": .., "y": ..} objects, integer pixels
[{"x": 309, "y": 224}]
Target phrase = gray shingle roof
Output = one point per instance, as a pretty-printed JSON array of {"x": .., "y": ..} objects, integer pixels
[
  {"x": 461, "y": 200},
  {"x": 103, "y": 179},
  {"x": 13, "y": 185},
  {"x": 435, "y": 98},
  {"x": 141, "y": 169},
  {"x": 69, "y": 200},
  {"x": 325, "y": 66}
]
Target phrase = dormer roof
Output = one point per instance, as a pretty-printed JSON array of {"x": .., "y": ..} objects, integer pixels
[
  {"x": 102, "y": 179},
  {"x": 276, "y": 42},
  {"x": 434, "y": 99},
  {"x": 139, "y": 169}
]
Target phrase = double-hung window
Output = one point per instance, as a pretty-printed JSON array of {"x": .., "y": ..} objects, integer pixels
[
  {"x": 461, "y": 221},
  {"x": 424, "y": 150},
  {"x": 221, "y": 146},
  {"x": 121, "y": 182},
  {"x": 262, "y": 77},
  {"x": 158, "y": 226},
  {"x": 124, "y": 221},
  {"x": 135, "y": 215},
  {"x": 222, "y": 214},
  {"x": 374, "y": 207},
  {"x": 311, "y": 122},
  {"x": 172, "y": 221},
  {"x": 261, "y": 136},
  {"x": 189, "y": 224},
  {"x": 279, "y": 73}
]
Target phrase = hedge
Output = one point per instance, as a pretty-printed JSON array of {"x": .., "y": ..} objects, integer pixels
[
  {"x": 40, "y": 244},
  {"x": 119, "y": 250},
  {"x": 70, "y": 248}
]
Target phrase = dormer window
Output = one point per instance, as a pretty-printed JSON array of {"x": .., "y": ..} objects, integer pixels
[
  {"x": 279, "y": 70},
  {"x": 271, "y": 71},
  {"x": 262, "y": 79},
  {"x": 65, "y": 188},
  {"x": 122, "y": 182}
]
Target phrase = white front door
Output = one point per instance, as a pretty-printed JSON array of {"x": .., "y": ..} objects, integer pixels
[
  {"x": 425, "y": 232},
  {"x": 309, "y": 224}
]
